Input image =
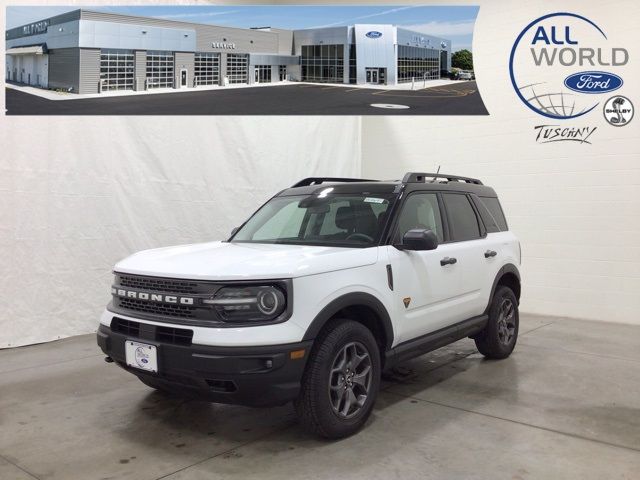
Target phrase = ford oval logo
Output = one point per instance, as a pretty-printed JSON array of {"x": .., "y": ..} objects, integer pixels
[
  {"x": 593, "y": 82},
  {"x": 374, "y": 34}
]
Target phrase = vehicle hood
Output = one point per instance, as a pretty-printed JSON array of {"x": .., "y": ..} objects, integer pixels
[{"x": 244, "y": 261}]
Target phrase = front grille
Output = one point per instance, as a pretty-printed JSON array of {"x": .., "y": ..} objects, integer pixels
[
  {"x": 165, "y": 309},
  {"x": 146, "y": 297},
  {"x": 127, "y": 327},
  {"x": 176, "y": 336},
  {"x": 154, "y": 284}
]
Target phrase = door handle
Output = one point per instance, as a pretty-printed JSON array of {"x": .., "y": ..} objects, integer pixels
[
  {"x": 448, "y": 261},
  {"x": 490, "y": 253}
]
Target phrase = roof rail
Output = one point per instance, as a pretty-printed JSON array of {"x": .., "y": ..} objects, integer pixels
[
  {"x": 416, "y": 177},
  {"x": 305, "y": 182}
]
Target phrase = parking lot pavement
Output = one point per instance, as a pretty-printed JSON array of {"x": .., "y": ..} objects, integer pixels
[{"x": 300, "y": 99}]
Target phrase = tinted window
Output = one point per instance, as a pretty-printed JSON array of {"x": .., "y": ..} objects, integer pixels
[
  {"x": 420, "y": 211},
  {"x": 493, "y": 205},
  {"x": 462, "y": 217},
  {"x": 489, "y": 220}
]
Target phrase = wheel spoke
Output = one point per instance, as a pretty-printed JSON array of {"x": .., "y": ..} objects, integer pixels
[
  {"x": 509, "y": 310},
  {"x": 336, "y": 399},
  {"x": 349, "y": 399},
  {"x": 361, "y": 399},
  {"x": 361, "y": 378},
  {"x": 340, "y": 361},
  {"x": 358, "y": 360}
]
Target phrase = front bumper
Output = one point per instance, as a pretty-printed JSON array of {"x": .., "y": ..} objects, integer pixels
[{"x": 252, "y": 376}]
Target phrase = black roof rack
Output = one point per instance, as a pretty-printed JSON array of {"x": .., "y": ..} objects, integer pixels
[
  {"x": 305, "y": 182},
  {"x": 416, "y": 177}
]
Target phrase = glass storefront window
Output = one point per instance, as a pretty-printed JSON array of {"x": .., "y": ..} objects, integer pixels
[
  {"x": 322, "y": 63},
  {"x": 263, "y": 73},
  {"x": 417, "y": 63}
]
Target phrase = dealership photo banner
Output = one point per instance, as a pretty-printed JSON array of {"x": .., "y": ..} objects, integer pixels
[{"x": 135, "y": 126}]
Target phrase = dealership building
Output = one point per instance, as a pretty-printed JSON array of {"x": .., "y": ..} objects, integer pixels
[{"x": 85, "y": 52}]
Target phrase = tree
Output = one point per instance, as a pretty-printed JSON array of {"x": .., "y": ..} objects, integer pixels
[{"x": 462, "y": 59}]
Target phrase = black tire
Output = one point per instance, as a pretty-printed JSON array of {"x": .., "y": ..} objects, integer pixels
[
  {"x": 499, "y": 337},
  {"x": 318, "y": 395}
]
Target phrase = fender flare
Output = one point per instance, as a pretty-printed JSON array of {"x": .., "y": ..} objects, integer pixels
[
  {"x": 507, "y": 268},
  {"x": 350, "y": 300}
]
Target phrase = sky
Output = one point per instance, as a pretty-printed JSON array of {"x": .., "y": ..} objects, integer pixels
[{"x": 452, "y": 22}]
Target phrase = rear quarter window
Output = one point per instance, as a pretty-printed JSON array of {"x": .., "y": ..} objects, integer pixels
[{"x": 494, "y": 208}]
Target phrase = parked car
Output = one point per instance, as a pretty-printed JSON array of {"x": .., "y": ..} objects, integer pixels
[
  {"x": 466, "y": 75},
  {"x": 326, "y": 285}
]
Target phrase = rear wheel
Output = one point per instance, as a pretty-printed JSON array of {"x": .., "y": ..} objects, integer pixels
[
  {"x": 341, "y": 381},
  {"x": 499, "y": 337}
]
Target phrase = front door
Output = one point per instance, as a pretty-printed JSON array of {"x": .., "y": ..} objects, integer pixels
[
  {"x": 372, "y": 75},
  {"x": 428, "y": 287},
  {"x": 183, "y": 77}
]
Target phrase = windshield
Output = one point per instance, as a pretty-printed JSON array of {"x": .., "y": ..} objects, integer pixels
[{"x": 353, "y": 220}]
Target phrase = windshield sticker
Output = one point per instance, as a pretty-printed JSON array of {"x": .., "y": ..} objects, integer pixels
[{"x": 374, "y": 200}]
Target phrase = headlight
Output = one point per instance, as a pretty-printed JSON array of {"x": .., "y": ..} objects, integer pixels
[{"x": 252, "y": 303}]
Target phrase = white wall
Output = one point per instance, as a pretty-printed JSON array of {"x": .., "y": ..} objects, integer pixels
[
  {"x": 78, "y": 194},
  {"x": 575, "y": 207}
]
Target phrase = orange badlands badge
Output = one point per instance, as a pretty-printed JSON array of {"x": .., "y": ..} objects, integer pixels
[{"x": 406, "y": 301}]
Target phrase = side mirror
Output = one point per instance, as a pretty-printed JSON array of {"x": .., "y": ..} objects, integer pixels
[{"x": 419, "y": 239}]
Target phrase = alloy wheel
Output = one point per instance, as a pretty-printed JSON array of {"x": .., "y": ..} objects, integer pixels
[
  {"x": 506, "y": 321},
  {"x": 350, "y": 379}
]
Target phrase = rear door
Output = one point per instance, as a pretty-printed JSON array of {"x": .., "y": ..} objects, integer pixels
[
  {"x": 467, "y": 234},
  {"x": 500, "y": 243}
]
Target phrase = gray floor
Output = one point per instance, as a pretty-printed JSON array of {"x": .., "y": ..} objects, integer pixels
[{"x": 565, "y": 405}]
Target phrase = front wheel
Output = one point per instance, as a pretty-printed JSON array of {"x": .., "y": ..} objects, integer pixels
[
  {"x": 498, "y": 339},
  {"x": 341, "y": 381}
]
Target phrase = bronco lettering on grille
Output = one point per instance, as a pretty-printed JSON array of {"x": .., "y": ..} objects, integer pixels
[{"x": 153, "y": 297}]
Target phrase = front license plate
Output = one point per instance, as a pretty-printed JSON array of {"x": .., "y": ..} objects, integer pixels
[{"x": 141, "y": 355}]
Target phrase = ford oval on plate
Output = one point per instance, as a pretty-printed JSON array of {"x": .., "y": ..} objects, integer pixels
[
  {"x": 593, "y": 82},
  {"x": 373, "y": 34}
]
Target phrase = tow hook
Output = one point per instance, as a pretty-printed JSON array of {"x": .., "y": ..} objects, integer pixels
[{"x": 108, "y": 359}]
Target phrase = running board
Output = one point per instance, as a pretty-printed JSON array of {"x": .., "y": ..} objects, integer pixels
[{"x": 434, "y": 340}]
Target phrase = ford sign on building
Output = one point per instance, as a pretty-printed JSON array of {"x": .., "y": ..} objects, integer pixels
[{"x": 90, "y": 52}]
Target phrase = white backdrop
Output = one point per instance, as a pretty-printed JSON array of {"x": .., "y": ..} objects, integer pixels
[
  {"x": 575, "y": 207},
  {"x": 78, "y": 194}
]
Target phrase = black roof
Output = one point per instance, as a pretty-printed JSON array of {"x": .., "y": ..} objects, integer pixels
[{"x": 412, "y": 181}]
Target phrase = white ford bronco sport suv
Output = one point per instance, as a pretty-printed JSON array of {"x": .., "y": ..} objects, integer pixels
[{"x": 328, "y": 284}]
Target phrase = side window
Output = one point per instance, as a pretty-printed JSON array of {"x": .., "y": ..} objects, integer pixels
[
  {"x": 493, "y": 205},
  {"x": 489, "y": 220},
  {"x": 462, "y": 217},
  {"x": 420, "y": 211}
]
